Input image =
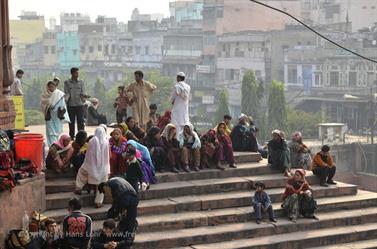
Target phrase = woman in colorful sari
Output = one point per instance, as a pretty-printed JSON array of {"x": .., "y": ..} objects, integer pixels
[
  {"x": 118, "y": 146},
  {"x": 298, "y": 197},
  {"x": 164, "y": 120},
  {"x": 209, "y": 151},
  {"x": 54, "y": 108},
  {"x": 96, "y": 166},
  {"x": 60, "y": 154},
  {"x": 171, "y": 145},
  {"x": 225, "y": 152},
  {"x": 146, "y": 156}
]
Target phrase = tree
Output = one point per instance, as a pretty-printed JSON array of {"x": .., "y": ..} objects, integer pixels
[
  {"x": 161, "y": 97},
  {"x": 223, "y": 106},
  {"x": 305, "y": 122},
  {"x": 277, "y": 107},
  {"x": 99, "y": 90},
  {"x": 251, "y": 94}
]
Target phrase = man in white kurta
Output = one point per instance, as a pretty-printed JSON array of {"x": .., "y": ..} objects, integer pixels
[{"x": 180, "y": 101}]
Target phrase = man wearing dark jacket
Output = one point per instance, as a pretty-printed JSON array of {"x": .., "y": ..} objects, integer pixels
[
  {"x": 124, "y": 199},
  {"x": 77, "y": 227}
]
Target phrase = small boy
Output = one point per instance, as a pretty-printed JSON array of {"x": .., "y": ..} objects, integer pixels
[
  {"x": 121, "y": 103},
  {"x": 153, "y": 117},
  {"x": 262, "y": 202},
  {"x": 134, "y": 174}
]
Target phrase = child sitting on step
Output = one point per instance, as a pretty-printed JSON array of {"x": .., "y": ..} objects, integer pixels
[{"x": 261, "y": 202}]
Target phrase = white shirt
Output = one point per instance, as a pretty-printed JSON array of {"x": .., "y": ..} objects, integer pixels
[
  {"x": 180, "y": 99},
  {"x": 16, "y": 88}
]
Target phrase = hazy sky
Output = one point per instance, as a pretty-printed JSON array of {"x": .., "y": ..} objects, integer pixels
[{"x": 113, "y": 8}]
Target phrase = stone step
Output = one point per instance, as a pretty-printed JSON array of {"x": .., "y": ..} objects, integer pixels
[
  {"x": 185, "y": 188},
  {"x": 304, "y": 239},
  {"x": 57, "y": 185},
  {"x": 230, "y": 200},
  {"x": 240, "y": 157},
  {"x": 350, "y": 225},
  {"x": 363, "y": 244}
]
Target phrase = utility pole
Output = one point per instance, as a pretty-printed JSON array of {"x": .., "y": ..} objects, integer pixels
[{"x": 372, "y": 115}]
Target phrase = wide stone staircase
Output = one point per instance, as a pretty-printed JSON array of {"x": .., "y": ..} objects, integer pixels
[{"x": 212, "y": 209}]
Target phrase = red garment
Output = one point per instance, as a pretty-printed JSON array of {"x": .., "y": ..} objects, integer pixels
[
  {"x": 294, "y": 187},
  {"x": 164, "y": 120},
  {"x": 225, "y": 148},
  {"x": 117, "y": 162}
]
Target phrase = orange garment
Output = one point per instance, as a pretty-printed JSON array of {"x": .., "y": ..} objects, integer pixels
[{"x": 319, "y": 161}]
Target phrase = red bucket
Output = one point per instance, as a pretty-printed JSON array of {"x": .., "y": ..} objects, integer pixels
[{"x": 30, "y": 146}]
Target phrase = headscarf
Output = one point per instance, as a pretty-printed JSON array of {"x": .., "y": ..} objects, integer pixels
[
  {"x": 104, "y": 127},
  {"x": 61, "y": 140},
  {"x": 49, "y": 99},
  {"x": 302, "y": 173},
  {"x": 194, "y": 136},
  {"x": 94, "y": 100},
  {"x": 167, "y": 132},
  {"x": 242, "y": 116},
  {"x": 124, "y": 128},
  {"x": 296, "y": 136},
  {"x": 164, "y": 120},
  {"x": 97, "y": 159}
]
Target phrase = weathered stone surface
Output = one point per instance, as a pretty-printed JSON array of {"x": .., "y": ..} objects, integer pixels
[{"x": 28, "y": 196}]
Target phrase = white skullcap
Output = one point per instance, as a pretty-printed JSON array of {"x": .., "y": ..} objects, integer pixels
[{"x": 182, "y": 74}]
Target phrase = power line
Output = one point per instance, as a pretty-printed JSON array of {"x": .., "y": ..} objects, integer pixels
[{"x": 314, "y": 31}]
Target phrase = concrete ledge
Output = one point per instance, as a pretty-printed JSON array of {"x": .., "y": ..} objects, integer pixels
[{"x": 28, "y": 195}]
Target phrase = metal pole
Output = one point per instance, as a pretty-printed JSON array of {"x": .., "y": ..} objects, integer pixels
[{"x": 372, "y": 115}]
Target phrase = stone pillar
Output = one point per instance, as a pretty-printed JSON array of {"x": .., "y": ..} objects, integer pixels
[{"x": 7, "y": 112}]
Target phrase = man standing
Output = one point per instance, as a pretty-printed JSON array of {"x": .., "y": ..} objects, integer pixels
[
  {"x": 180, "y": 101},
  {"x": 16, "y": 88},
  {"x": 124, "y": 199},
  {"x": 141, "y": 92},
  {"x": 75, "y": 98},
  {"x": 77, "y": 227}
]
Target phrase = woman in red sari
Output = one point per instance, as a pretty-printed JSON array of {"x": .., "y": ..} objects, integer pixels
[
  {"x": 164, "y": 120},
  {"x": 118, "y": 146},
  {"x": 225, "y": 149}
]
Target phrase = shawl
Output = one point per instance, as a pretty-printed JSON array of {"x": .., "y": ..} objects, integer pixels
[
  {"x": 60, "y": 142},
  {"x": 164, "y": 120},
  {"x": 49, "y": 99}
]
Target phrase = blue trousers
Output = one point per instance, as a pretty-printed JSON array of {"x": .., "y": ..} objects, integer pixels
[{"x": 258, "y": 211}]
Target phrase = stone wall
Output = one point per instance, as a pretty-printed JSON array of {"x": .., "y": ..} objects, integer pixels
[{"x": 28, "y": 196}]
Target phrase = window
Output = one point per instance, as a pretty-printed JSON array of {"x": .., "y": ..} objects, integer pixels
[
  {"x": 74, "y": 52},
  {"x": 352, "y": 78},
  {"x": 229, "y": 74},
  {"x": 146, "y": 50},
  {"x": 317, "y": 79},
  {"x": 53, "y": 49},
  {"x": 138, "y": 50},
  {"x": 334, "y": 78},
  {"x": 106, "y": 49},
  {"x": 99, "y": 48},
  {"x": 91, "y": 49},
  {"x": 46, "y": 49},
  {"x": 82, "y": 49},
  {"x": 113, "y": 49},
  {"x": 220, "y": 13},
  {"x": 292, "y": 74},
  {"x": 370, "y": 78}
]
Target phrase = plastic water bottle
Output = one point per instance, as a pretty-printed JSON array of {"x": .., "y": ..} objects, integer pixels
[{"x": 25, "y": 221}]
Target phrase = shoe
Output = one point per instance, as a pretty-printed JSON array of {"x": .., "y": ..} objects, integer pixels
[
  {"x": 324, "y": 184},
  {"x": 258, "y": 221},
  {"x": 273, "y": 220},
  {"x": 233, "y": 166},
  {"x": 174, "y": 170},
  {"x": 186, "y": 169},
  {"x": 315, "y": 217},
  {"x": 294, "y": 220},
  {"x": 219, "y": 167},
  {"x": 331, "y": 182},
  {"x": 196, "y": 169},
  {"x": 98, "y": 205}
]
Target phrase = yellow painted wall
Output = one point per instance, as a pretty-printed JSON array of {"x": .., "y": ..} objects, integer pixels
[{"x": 26, "y": 31}]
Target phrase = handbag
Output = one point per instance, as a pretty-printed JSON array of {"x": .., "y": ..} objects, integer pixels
[
  {"x": 48, "y": 114},
  {"x": 61, "y": 113}
]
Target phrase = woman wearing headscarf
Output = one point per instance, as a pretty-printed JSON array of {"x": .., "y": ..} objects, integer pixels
[
  {"x": 154, "y": 143},
  {"x": 80, "y": 146},
  {"x": 134, "y": 127},
  {"x": 164, "y": 120},
  {"x": 190, "y": 145},
  {"x": 225, "y": 145},
  {"x": 118, "y": 146},
  {"x": 209, "y": 150},
  {"x": 127, "y": 133},
  {"x": 171, "y": 146},
  {"x": 54, "y": 109},
  {"x": 60, "y": 154},
  {"x": 243, "y": 135},
  {"x": 278, "y": 152},
  {"x": 298, "y": 197},
  {"x": 96, "y": 166},
  {"x": 144, "y": 154},
  {"x": 300, "y": 153}
]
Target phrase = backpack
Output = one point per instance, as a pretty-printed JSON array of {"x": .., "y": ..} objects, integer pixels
[{"x": 18, "y": 239}]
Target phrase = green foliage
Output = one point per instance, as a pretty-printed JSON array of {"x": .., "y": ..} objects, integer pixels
[
  {"x": 161, "y": 95},
  {"x": 252, "y": 93},
  {"x": 277, "y": 107},
  {"x": 223, "y": 106},
  {"x": 34, "y": 117},
  {"x": 99, "y": 92},
  {"x": 305, "y": 122}
]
